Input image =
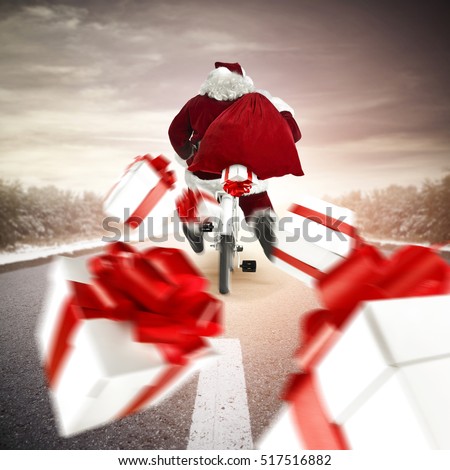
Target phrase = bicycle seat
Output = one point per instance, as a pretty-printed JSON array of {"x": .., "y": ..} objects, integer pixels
[{"x": 238, "y": 180}]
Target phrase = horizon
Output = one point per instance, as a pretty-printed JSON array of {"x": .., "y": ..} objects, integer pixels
[{"x": 99, "y": 83}]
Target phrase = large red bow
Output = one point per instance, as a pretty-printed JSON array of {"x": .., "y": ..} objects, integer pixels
[
  {"x": 159, "y": 291},
  {"x": 365, "y": 275},
  {"x": 368, "y": 275},
  {"x": 237, "y": 188}
]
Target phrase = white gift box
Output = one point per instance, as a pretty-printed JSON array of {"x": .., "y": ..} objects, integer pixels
[
  {"x": 316, "y": 236},
  {"x": 283, "y": 434},
  {"x": 106, "y": 370},
  {"x": 143, "y": 185},
  {"x": 237, "y": 173},
  {"x": 385, "y": 381},
  {"x": 404, "y": 397}
]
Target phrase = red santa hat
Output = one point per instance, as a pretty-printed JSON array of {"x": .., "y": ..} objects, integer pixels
[{"x": 235, "y": 67}]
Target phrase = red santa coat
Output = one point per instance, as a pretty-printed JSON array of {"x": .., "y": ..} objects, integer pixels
[{"x": 190, "y": 125}]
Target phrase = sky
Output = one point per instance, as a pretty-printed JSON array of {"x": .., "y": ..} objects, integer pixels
[{"x": 87, "y": 85}]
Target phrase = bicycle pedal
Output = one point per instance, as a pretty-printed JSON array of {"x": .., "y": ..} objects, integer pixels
[
  {"x": 248, "y": 266},
  {"x": 207, "y": 227},
  {"x": 239, "y": 248}
]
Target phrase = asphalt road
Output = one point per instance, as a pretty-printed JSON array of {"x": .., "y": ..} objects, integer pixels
[{"x": 262, "y": 312}]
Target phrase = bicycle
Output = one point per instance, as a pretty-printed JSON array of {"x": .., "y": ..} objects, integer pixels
[{"x": 236, "y": 181}]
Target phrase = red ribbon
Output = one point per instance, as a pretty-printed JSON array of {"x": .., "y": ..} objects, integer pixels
[
  {"x": 237, "y": 188},
  {"x": 159, "y": 291},
  {"x": 188, "y": 202},
  {"x": 323, "y": 219},
  {"x": 313, "y": 424},
  {"x": 167, "y": 180},
  {"x": 365, "y": 275},
  {"x": 187, "y": 206},
  {"x": 297, "y": 264}
]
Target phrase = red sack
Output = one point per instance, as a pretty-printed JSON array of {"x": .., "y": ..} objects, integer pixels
[{"x": 253, "y": 133}]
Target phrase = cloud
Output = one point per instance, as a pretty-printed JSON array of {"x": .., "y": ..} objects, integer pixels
[
  {"x": 90, "y": 82},
  {"x": 56, "y": 16},
  {"x": 40, "y": 11}
]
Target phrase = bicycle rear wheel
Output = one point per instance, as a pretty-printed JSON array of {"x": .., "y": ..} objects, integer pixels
[{"x": 225, "y": 262}]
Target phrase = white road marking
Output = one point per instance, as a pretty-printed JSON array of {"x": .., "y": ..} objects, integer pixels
[{"x": 221, "y": 419}]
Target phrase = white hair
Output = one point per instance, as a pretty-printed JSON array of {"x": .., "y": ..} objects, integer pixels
[{"x": 224, "y": 85}]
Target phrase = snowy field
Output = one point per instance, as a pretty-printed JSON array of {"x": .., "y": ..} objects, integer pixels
[{"x": 33, "y": 252}]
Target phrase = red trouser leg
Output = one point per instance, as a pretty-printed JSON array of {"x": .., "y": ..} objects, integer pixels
[{"x": 254, "y": 202}]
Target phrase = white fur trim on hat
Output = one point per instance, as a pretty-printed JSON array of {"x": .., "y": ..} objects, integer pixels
[
  {"x": 213, "y": 186},
  {"x": 223, "y": 85}
]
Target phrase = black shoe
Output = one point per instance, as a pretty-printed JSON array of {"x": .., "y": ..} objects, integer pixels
[
  {"x": 196, "y": 241},
  {"x": 263, "y": 227}
]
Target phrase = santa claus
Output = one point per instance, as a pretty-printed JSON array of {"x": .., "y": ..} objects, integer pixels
[{"x": 230, "y": 122}]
